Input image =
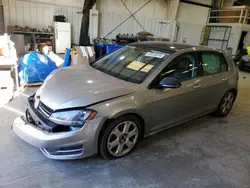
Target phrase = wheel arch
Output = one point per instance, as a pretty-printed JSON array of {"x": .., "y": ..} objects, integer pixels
[
  {"x": 235, "y": 91},
  {"x": 109, "y": 120},
  {"x": 229, "y": 90}
]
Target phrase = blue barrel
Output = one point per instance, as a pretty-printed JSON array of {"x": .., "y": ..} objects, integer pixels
[
  {"x": 67, "y": 58},
  {"x": 100, "y": 50},
  {"x": 112, "y": 47}
]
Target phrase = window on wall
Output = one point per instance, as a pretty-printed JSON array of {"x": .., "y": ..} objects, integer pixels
[{"x": 213, "y": 63}]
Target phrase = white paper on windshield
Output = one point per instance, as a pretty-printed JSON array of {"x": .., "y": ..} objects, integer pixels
[
  {"x": 147, "y": 68},
  {"x": 136, "y": 65},
  {"x": 155, "y": 54}
]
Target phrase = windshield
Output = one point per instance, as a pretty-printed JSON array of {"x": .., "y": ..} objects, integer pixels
[{"x": 132, "y": 64}]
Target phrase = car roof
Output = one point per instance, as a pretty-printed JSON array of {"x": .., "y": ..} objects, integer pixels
[{"x": 168, "y": 46}]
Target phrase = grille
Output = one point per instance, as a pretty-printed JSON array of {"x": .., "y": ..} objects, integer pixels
[{"x": 44, "y": 110}]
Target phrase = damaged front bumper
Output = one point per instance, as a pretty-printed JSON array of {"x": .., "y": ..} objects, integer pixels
[{"x": 73, "y": 144}]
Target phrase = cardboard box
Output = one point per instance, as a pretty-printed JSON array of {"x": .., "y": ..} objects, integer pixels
[
  {"x": 80, "y": 58},
  {"x": 91, "y": 53},
  {"x": 84, "y": 54}
]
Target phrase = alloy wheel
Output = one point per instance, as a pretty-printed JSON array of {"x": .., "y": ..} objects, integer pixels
[
  {"x": 122, "y": 138},
  {"x": 227, "y": 103}
]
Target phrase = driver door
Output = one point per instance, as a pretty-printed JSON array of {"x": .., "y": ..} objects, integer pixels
[{"x": 173, "y": 106}]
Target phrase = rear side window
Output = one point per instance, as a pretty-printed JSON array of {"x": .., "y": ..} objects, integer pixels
[{"x": 213, "y": 63}]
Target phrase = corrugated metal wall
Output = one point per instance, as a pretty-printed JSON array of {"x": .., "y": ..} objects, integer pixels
[
  {"x": 112, "y": 13},
  {"x": 192, "y": 14},
  {"x": 155, "y": 26},
  {"x": 40, "y": 14},
  {"x": 189, "y": 32},
  {"x": 154, "y": 9}
]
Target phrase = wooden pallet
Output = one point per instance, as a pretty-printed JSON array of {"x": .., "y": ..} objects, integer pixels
[{"x": 36, "y": 84}]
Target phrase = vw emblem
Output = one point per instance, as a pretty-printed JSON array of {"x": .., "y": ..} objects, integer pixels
[{"x": 37, "y": 101}]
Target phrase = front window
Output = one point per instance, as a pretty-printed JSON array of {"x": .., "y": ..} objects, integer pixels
[
  {"x": 132, "y": 64},
  {"x": 184, "y": 67}
]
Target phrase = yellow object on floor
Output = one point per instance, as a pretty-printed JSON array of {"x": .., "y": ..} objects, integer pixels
[
  {"x": 248, "y": 50},
  {"x": 73, "y": 52}
]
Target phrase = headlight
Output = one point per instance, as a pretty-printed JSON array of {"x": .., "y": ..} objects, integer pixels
[{"x": 74, "y": 118}]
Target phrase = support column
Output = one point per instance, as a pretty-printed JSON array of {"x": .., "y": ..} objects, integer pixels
[{"x": 173, "y": 9}]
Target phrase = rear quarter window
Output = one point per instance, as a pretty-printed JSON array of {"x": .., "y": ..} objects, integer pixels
[{"x": 213, "y": 63}]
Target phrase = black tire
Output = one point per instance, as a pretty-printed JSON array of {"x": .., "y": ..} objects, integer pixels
[
  {"x": 219, "y": 112},
  {"x": 107, "y": 133}
]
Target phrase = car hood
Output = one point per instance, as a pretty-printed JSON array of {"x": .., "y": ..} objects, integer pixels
[{"x": 80, "y": 87}]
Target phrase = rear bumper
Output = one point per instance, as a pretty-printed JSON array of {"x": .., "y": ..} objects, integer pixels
[{"x": 64, "y": 145}]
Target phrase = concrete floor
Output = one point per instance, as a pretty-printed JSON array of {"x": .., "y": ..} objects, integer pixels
[{"x": 207, "y": 152}]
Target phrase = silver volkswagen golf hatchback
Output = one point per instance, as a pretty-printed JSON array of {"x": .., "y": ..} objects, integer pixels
[{"x": 109, "y": 105}]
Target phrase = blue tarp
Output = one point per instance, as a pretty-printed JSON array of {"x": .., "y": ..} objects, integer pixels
[{"x": 35, "y": 67}]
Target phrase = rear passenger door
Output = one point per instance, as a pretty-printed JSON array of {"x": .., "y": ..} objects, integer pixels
[{"x": 214, "y": 77}]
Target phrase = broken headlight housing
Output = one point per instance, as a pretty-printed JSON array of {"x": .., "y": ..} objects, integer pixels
[{"x": 74, "y": 118}]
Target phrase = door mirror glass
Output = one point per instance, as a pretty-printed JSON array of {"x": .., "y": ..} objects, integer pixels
[{"x": 170, "y": 82}]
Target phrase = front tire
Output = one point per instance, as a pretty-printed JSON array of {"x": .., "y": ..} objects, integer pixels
[
  {"x": 226, "y": 104},
  {"x": 120, "y": 137}
]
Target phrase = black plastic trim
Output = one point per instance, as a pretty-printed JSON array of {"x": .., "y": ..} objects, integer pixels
[
  {"x": 43, "y": 122},
  {"x": 196, "y": 3}
]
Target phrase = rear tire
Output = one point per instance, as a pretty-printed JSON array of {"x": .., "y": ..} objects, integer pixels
[
  {"x": 120, "y": 137},
  {"x": 226, "y": 104}
]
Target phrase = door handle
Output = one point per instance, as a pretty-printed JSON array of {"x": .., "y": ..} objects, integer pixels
[
  {"x": 197, "y": 86},
  {"x": 224, "y": 78}
]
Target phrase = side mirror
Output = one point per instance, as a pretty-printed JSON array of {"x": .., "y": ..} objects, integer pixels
[{"x": 170, "y": 82}]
